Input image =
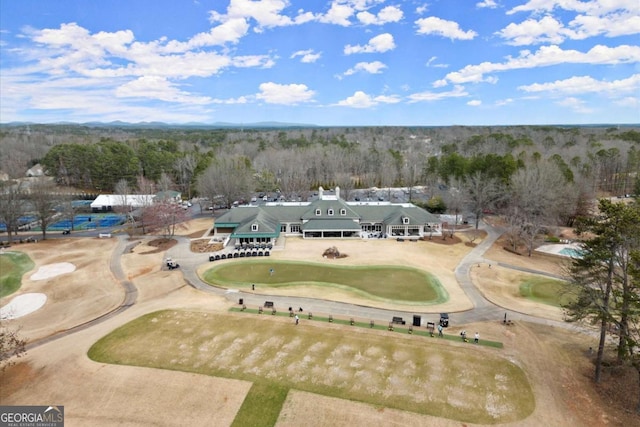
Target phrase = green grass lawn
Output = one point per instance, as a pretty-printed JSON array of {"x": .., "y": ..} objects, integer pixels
[
  {"x": 388, "y": 283},
  {"x": 544, "y": 290},
  {"x": 13, "y": 265},
  {"x": 406, "y": 372}
]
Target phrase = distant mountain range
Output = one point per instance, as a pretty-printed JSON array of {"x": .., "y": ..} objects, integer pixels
[{"x": 155, "y": 125}]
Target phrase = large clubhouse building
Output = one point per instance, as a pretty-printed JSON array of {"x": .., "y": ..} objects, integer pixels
[{"x": 327, "y": 217}]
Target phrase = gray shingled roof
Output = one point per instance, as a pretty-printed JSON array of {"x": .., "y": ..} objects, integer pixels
[{"x": 270, "y": 218}]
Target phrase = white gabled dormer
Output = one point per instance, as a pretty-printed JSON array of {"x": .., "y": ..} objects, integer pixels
[
  {"x": 318, "y": 212},
  {"x": 405, "y": 220},
  {"x": 330, "y": 212},
  {"x": 254, "y": 227}
]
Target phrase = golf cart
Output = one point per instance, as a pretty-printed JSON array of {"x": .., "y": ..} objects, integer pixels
[
  {"x": 444, "y": 319},
  {"x": 171, "y": 264}
]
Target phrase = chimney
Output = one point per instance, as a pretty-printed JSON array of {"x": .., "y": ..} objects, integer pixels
[
  {"x": 320, "y": 191},
  {"x": 337, "y": 192}
]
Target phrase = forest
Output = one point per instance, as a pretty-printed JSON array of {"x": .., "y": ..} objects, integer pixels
[{"x": 534, "y": 175}]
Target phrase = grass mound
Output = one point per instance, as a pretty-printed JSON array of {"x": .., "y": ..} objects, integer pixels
[
  {"x": 13, "y": 265},
  {"x": 388, "y": 283},
  {"x": 411, "y": 373}
]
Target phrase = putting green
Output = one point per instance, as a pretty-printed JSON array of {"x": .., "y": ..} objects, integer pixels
[
  {"x": 544, "y": 290},
  {"x": 13, "y": 265},
  {"x": 387, "y": 283}
]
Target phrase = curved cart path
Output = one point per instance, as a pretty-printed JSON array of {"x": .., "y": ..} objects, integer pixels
[
  {"x": 483, "y": 309},
  {"x": 129, "y": 299}
]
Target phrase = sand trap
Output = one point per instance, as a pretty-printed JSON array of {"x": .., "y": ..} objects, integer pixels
[
  {"x": 52, "y": 270},
  {"x": 22, "y": 305}
]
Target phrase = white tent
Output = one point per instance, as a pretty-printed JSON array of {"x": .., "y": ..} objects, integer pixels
[{"x": 106, "y": 202}]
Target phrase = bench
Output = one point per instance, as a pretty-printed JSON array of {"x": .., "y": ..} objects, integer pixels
[
  {"x": 104, "y": 235},
  {"x": 268, "y": 304},
  {"x": 398, "y": 320}
]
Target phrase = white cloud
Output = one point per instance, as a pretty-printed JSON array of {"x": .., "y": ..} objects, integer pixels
[
  {"x": 378, "y": 44},
  {"x": 546, "y": 30},
  {"x": 290, "y": 94},
  {"x": 307, "y": 56},
  {"x": 88, "y": 99},
  {"x": 504, "y": 102},
  {"x": 252, "y": 61},
  {"x": 610, "y": 18},
  {"x": 590, "y": 6},
  {"x": 575, "y": 104},
  {"x": 153, "y": 87},
  {"x": 551, "y": 30},
  {"x": 266, "y": 13},
  {"x": 457, "y": 91},
  {"x": 474, "y": 103},
  {"x": 230, "y": 31},
  {"x": 232, "y": 101},
  {"x": 547, "y": 56},
  {"x": 611, "y": 25},
  {"x": 385, "y": 16},
  {"x": 338, "y": 14},
  {"x": 629, "y": 102},
  {"x": 587, "y": 84},
  {"x": 374, "y": 67},
  {"x": 342, "y": 11},
  {"x": 490, "y": 4},
  {"x": 444, "y": 28},
  {"x": 362, "y": 100},
  {"x": 431, "y": 63}
]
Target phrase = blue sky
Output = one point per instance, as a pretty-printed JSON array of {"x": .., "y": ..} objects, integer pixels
[{"x": 330, "y": 62}]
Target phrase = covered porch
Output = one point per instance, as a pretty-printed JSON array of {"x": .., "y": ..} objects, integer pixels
[{"x": 330, "y": 229}]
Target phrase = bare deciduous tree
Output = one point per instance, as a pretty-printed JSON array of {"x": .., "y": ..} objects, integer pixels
[
  {"x": 185, "y": 167},
  {"x": 482, "y": 194},
  {"x": 12, "y": 207},
  {"x": 539, "y": 195},
  {"x": 44, "y": 199},
  {"x": 226, "y": 180}
]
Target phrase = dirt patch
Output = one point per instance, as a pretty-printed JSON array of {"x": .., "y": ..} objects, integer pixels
[
  {"x": 205, "y": 245},
  {"x": 160, "y": 245},
  {"x": 333, "y": 253}
]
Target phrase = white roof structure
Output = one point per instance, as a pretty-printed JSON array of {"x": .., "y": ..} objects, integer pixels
[{"x": 132, "y": 200}]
